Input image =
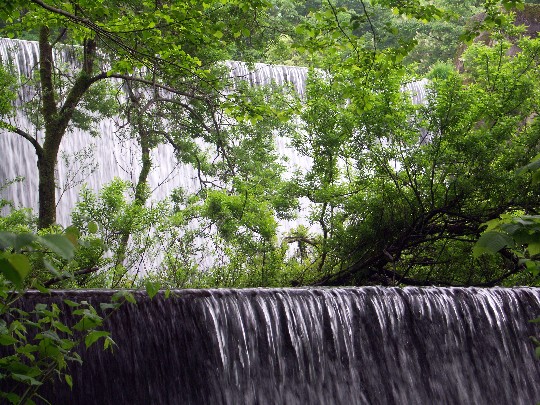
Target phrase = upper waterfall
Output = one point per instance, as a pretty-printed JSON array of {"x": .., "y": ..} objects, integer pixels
[
  {"x": 95, "y": 161},
  {"x": 115, "y": 157},
  {"x": 263, "y": 74}
]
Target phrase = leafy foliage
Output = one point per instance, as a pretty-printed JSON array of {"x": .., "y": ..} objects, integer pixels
[
  {"x": 395, "y": 193},
  {"x": 515, "y": 232},
  {"x": 38, "y": 344},
  {"x": 396, "y": 207}
]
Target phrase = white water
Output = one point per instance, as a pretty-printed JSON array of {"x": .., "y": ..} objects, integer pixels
[
  {"x": 342, "y": 346},
  {"x": 115, "y": 156}
]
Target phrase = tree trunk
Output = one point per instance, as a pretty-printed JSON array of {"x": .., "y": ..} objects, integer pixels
[
  {"x": 141, "y": 191},
  {"x": 47, "y": 160},
  {"x": 56, "y": 121},
  {"x": 47, "y": 191}
]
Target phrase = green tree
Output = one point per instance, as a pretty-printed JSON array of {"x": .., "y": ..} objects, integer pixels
[
  {"x": 391, "y": 206},
  {"x": 170, "y": 46}
]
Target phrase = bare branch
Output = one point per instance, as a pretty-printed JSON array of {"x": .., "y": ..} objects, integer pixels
[{"x": 107, "y": 75}]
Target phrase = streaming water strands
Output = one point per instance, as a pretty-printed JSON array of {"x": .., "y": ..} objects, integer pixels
[
  {"x": 112, "y": 155},
  {"x": 116, "y": 157},
  {"x": 314, "y": 346}
]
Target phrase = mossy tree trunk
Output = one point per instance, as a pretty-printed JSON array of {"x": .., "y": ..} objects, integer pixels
[{"x": 56, "y": 118}]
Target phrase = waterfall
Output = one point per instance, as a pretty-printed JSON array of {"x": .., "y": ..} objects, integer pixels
[
  {"x": 95, "y": 161},
  {"x": 345, "y": 346},
  {"x": 115, "y": 157},
  {"x": 120, "y": 157}
]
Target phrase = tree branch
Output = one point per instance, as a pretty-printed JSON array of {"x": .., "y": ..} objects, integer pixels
[
  {"x": 115, "y": 39},
  {"x": 81, "y": 272},
  {"x": 25, "y": 135},
  {"x": 106, "y": 75},
  {"x": 294, "y": 239}
]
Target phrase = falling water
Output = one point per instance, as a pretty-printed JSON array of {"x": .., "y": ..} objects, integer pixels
[
  {"x": 116, "y": 157},
  {"x": 313, "y": 346},
  {"x": 95, "y": 161},
  {"x": 119, "y": 157},
  {"x": 304, "y": 346}
]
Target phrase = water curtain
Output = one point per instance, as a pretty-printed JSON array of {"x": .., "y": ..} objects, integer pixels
[{"x": 346, "y": 346}]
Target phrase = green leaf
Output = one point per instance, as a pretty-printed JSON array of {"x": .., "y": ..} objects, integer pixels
[
  {"x": 13, "y": 398},
  {"x": 93, "y": 337},
  {"x": 491, "y": 242},
  {"x": 60, "y": 326},
  {"x": 40, "y": 287},
  {"x": 536, "y": 177},
  {"x": 23, "y": 240},
  {"x": 72, "y": 304},
  {"x": 26, "y": 379},
  {"x": 108, "y": 343},
  {"x": 532, "y": 166},
  {"x": 92, "y": 227},
  {"x": 84, "y": 324},
  {"x": 89, "y": 321},
  {"x": 7, "y": 240},
  {"x": 49, "y": 334},
  {"x": 49, "y": 266},
  {"x": 6, "y": 340},
  {"x": 532, "y": 266},
  {"x": 60, "y": 245},
  {"x": 534, "y": 248},
  {"x": 152, "y": 288},
  {"x": 218, "y": 34},
  {"x": 125, "y": 295},
  {"x": 73, "y": 234},
  {"x": 15, "y": 267},
  {"x": 105, "y": 305},
  {"x": 69, "y": 380}
]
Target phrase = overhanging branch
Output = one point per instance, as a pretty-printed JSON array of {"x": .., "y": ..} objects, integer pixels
[
  {"x": 38, "y": 148},
  {"x": 148, "y": 58}
]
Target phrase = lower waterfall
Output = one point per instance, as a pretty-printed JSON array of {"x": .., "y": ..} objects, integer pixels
[{"x": 368, "y": 345}]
